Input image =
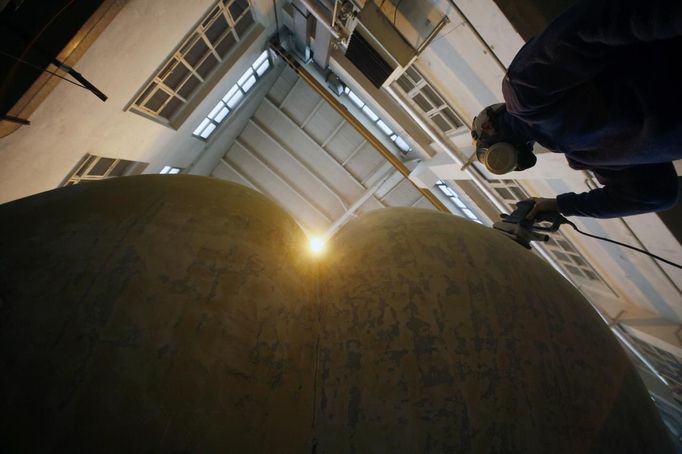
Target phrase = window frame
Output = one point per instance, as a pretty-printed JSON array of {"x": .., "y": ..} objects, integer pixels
[
  {"x": 438, "y": 106},
  {"x": 374, "y": 118},
  {"x": 223, "y": 104},
  {"x": 81, "y": 171},
  {"x": 192, "y": 77}
]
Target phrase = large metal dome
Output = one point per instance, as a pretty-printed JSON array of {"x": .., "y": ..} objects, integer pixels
[{"x": 168, "y": 314}]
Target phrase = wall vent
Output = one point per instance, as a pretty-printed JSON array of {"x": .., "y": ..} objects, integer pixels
[
  {"x": 377, "y": 49},
  {"x": 368, "y": 60}
]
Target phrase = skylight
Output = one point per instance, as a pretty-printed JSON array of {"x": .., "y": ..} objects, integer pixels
[
  {"x": 233, "y": 97},
  {"x": 455, "y": 200},
  {"x": 374, "y": 118},
  {"x": 168, "y": 170}
]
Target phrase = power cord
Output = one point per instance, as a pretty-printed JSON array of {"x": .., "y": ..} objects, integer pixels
[
  {"x": 566, "y": 221},
  {"x": 395, "y": 12}
]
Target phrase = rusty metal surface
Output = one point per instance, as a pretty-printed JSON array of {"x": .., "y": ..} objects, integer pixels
[
  {"x": 153, "y": 314},
  {"x": 441, "y": 335},
  {"x": 183, "y": 314}
]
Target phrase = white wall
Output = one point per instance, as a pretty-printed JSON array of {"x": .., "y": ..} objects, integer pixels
[{"x": 72, "y": 122}]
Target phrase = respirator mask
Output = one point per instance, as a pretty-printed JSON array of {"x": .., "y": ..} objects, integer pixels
[{"x": 498, "y": 148}]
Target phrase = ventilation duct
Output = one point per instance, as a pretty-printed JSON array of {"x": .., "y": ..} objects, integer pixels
[{"x": 377, "y": 49}]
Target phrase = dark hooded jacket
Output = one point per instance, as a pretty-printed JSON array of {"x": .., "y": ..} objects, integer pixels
[{"x": 603, "y": 85}]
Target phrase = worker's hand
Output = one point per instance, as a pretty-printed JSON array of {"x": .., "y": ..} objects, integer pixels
[{"x": 542, "y": 206}]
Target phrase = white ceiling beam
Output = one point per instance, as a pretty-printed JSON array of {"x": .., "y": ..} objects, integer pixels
[
  {"x": 343, "y": 122},
  {"x": 286, "y": 97},
  {"x": 283, "y": 180},
  {"x": 350, "y": 212},
  {"x": 252, "y": 184},
  {"x": 307, "y": 168},
  {"x": 312, "y": 113},
  {"x": 293, "y": 124}
]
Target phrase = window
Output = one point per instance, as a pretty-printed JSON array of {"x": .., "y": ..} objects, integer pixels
[
  {"x": 374, "y": 118},
  {"x": 194, "y": 61},
  {"x": 425, "y": 97},
  {"x": 456, "y": 201},
  {"x": 92, "y": 168},
  {"x": 168, "y": 170},
  {"x": 233, "y": 97}
]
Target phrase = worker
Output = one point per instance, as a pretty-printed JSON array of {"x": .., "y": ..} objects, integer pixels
[{"x": 599, "y": 84}]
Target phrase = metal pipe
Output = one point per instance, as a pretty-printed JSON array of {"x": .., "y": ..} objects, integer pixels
[
  {"x": 364, "y": 132},
  {"x": 356, "y": 205},
  {"x": 336, "y": 4},
  {"x": 321, "y": 16},
  {"x": 433, "y": 34}
]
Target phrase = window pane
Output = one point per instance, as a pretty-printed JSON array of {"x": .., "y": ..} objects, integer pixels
[
  {"x": 432, "y": 96},
  {"x": 384, "y": 127},
  {"x": 372, "y": 116},
  {"x": 422, "y": 102},
  {"x": 245, "y": 77},
  {"x": 357, "y": 101},
  {"x": 249, "y": 83},
  {"x": 441, "y": 123},
  {"x": 207, "y": 66},
  {"x": 164, "y": 72},
  {"x": 216, "y": 29},
  {"x": 165, "y": 169},
  {"x": 189, "y": 86},
  {"x": 577, "y": 260},
  {"x": 230, "y": 93},
  {"x": 222, "y": 114},
  {"x": 157, "y": 100},
  {"x": 85, "y": 165},
  {"x": 591, "y": 275},
  {"x": 262, "y": 68},
  {"x": 468, "y": 213},
  {"x": 573, "y": 270},
  {"x": 237, "y": 8},
  {"x": 174, "y": 170},
  {"x": 566, "y": 245},
  {"x": 405, "y": 84},
  {"x": 216, "y": 11},
  {"x": 447, "y": 191},
  {"x": 402, "y": 144},
  {"x": 234, "y": 100},
  {"x": 201, "y": 126},
  {"x": 243, "y": 25},
  {"x": 216, "y": 109},
  {"x": 226, "y": 45},
  {"x": 101, "y": 167},
  {"x": 518, "y": 192},
  {"x": 261, "y": 58},
  {"x": 145, "y": 93},
  {"x": 452, "y": 118},
  {"x": 196, "y": 52},
  {"x": 209, "y": 129},
  {"x": 504, "y": 192},
  {"x": 561, "y": 256},
  {"x": 120, "y": 168},
  {"x": 458, "y": 202},
  {"x": 413, "y": 75},
  {"x": 189, "y": 43},
  {"x": 176, "y": 76},
  {"x": 171, "y": 107}
]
